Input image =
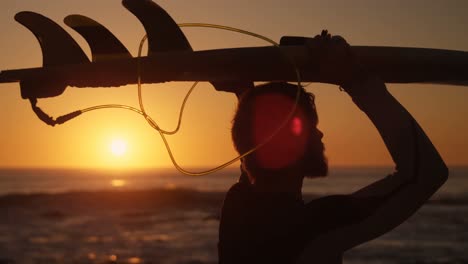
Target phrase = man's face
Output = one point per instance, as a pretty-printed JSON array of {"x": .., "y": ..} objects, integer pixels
[
  {"x": 315, "y": 163},
  {"x": 296, "y": 142}
]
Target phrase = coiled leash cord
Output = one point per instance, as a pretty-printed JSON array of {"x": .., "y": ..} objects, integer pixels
[{"x": 65, "y": 118}]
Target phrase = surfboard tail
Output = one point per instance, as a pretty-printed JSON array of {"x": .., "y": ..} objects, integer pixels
[{"x": 58, "y": 48}]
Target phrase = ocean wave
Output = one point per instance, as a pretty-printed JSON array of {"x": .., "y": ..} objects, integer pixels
[
  {"x": 143, "y": 200},
  {"x": 164, "y": 224},
  {"x": 450, "y": 200},
  {"x": 139, "y": 200}
]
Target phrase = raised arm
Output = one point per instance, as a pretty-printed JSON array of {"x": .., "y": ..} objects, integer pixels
[
  {"x": 420, "y": 170},
  {"x": 418, "y": 164}
]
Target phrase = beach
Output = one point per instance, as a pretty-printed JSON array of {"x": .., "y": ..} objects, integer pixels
[{"x": 56, "y": 216}]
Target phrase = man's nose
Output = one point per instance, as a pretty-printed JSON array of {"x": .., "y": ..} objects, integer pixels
[{"x": 320, "y": 134}]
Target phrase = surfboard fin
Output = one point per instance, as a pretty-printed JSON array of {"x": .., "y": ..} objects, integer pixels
[
  {"x": 165, "y": 35},
  {"x": 104, "y": 45},
  {"x": 58, "y": 48},
  {"x": 163, "y": 32}
]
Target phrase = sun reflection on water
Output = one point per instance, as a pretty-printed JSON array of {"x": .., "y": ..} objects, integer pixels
[
  {"x": 91, "y": 256},
  {"x": 113, "y": 258},
  {"x": 118, "y": 183},
  {"x": 134, "y": 260}
]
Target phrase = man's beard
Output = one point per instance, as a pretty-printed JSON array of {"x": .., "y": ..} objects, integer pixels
[{"x": 315, "y": 163}]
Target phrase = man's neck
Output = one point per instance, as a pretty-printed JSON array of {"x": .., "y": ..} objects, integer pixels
[{"x": 292, "y": 184}]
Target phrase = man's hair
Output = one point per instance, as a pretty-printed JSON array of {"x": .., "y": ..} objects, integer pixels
[{"x": 245, "y": 125}]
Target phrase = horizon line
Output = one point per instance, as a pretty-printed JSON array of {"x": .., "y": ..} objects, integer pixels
[{"x": 189, "y": 167}]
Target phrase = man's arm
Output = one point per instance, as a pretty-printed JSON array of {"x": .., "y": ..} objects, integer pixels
[
  {"x": 420, "y": 171},
  {"x": 418, "y": 164}
]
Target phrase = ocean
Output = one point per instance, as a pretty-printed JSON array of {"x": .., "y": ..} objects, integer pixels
[{"x": 162, "y": 216}]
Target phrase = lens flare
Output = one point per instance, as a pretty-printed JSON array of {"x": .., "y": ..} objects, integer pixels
[{"x": 296, "y": 126}]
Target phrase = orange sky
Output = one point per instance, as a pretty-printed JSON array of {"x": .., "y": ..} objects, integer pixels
[{"x": 204, "y": 139}]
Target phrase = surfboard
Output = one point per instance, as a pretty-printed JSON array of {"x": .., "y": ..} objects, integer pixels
[{"x": 171, "y": 58}]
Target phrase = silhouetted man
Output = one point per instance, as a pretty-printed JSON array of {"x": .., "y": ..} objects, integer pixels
[{"x": 264, "y": 219}]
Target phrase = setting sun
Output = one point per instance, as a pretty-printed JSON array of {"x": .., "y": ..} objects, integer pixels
[{"x": 118, "y": 147}]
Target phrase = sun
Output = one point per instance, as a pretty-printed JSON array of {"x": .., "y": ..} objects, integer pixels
[{"x": 118, "y": 147}]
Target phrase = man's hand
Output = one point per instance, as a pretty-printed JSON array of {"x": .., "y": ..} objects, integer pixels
[
  {"x": 339, "y": 65},
  {"x": 335, "y": 57}
]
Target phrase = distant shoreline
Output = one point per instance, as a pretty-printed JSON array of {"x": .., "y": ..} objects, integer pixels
[
  {"x": 29, "y": 184},
  {"x": 163, "y": 197}
]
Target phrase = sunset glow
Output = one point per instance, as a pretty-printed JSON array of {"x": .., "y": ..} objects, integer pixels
[
  {"x": 204, "y": 139},
  {"x": 118, "y": 147}
]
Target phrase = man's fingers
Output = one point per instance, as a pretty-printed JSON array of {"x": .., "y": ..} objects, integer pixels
[
  {"x": 340, "y": 45},
  {"x": 338, "y": 38}
]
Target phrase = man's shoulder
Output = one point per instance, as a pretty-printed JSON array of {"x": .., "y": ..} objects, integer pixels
[
  {"x": 237, "y": 209},
  {"x": 237, "y": 193},
  {"x": 239, "y": 187},
  {"x": 239, "y": 190}
]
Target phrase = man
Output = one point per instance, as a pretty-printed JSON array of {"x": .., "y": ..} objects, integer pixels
[{"x": 264, "y": 219}]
